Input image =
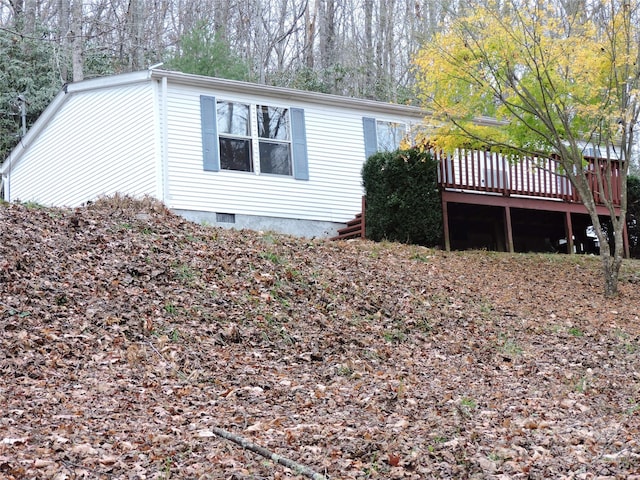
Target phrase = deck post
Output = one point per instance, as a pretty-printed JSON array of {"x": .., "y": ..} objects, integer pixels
[
  {"x": 445, "y": 224},
  {"x": 568, "y": 227},
  {"x": 508, "y": 228},
  {"x": 625, "y": 240},
  {"x": 363, "y": 229}
]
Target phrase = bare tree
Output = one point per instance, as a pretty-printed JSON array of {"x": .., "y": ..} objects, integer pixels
[
  {"x": 359, "y": 48},
  {"x": 558, "y": 91},
  {"x": 77, "y": 41},
  {"x": 135, "y": 29},
  {"x": 310, "y": 18}
]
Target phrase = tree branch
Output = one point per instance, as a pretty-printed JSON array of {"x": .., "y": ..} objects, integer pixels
[{"x": 244, "y": 443}]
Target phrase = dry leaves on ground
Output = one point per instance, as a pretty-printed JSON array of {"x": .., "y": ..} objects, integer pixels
[{"x": 126, "y": 331}]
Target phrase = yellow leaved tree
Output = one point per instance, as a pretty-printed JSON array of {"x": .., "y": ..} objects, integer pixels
[{"x": 557, "y": 79}]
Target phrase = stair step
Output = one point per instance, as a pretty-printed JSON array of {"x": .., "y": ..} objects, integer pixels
[
  {"x": 350, "y": 229},
  {"x": 355, "y": 221},
  {"x": 353, "y": 229}
]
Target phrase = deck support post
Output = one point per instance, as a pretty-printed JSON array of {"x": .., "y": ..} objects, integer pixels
[
  {"x": 625, "y": 240},
  {"x": 568, "y": 227},
  {"x": 508, "y": 228},
  {"x": 363, "y": 226},
  {"x": 445, "y": 224}
]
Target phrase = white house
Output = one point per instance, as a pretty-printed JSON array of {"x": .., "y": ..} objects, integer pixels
[{"x": 226, "y": 152}]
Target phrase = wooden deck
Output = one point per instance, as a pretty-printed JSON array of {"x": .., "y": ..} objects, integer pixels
[
  {"x": 473, "y": 171},
  {"x": 486, "y": 178}
]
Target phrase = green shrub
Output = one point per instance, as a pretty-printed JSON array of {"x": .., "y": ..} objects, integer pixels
[{"x": 403, "y": 200}]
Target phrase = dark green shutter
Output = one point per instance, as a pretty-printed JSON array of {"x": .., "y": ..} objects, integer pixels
[
  {"x": 299, "y": 144},
  {"x": 210, "y": 153},
  {"x": 370, "y": 136}
]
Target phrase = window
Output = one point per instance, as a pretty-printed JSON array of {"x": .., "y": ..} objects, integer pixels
[
  {"x": 382, "y": 135},
  {"x": 262, "y": 139},
  {"x": 390, "y": 135},
  {"x": 234, "y": 133},
  {"x": 274, "y": 140}
]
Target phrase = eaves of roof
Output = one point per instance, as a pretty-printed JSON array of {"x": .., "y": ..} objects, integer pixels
[
  {"x": 213, "y": 83},
  {"x": 283, "y": 93}
]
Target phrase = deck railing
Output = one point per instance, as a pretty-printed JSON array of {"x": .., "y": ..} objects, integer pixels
[{"x": 494, "y": 173}]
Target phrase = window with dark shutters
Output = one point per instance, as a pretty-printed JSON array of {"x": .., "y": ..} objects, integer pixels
[{"x": 276, "y": 144}]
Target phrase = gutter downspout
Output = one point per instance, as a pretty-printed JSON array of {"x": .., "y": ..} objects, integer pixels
[
  {"x": 165, "y": 144},
  {"x": 4, "y": 187}
]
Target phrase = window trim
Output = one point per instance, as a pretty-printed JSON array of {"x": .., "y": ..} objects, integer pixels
[
  {"x": 245, "y": 138},
  {"x": 211, "y": 148},
  {"x": 260, "y": 140}
]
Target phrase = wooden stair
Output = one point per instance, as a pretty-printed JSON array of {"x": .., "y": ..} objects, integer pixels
[
  {"x": 352, "y": 230},
  {"x": 355, "y": 228}
]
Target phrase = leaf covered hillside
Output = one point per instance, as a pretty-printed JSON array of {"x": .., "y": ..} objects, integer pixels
[{"x": 128, "y": 333}]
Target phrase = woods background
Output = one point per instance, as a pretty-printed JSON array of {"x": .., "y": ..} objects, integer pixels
[{"x": 360, "y": 48}]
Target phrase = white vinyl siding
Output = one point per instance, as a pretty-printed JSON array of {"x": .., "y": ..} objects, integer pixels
[
  {"x": 100, "y": 142},
  {"x": 335, "y": 149},
  {"x": 136, "y": 134}
]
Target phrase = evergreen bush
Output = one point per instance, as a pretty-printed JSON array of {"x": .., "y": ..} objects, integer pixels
[{"x": 403, "y": 200}]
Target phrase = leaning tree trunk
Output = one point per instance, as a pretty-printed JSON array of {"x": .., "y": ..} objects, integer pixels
[{"x": 611, "y": 262}]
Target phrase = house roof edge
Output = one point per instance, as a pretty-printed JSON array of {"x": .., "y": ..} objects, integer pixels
[
  {"x": 32, "y": 133},
  {"x": 286, "y": 93}
]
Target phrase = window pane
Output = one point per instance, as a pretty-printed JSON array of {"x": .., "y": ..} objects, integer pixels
[
  {"x": 275, "y": 158},
  {"x": 273, "y": 122},
  {"x": 233, "y": 118},
  {"x": 390, "y": 134},
  {"x": 235, "y": 154}
]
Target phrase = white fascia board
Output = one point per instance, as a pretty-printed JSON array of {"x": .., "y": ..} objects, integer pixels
[
  {"x": 108, "y": 82},
  {"x": 33, "y": 132},
  {"x": 219, "y": 84},
  {"x": 283, "y": 93},
  {"x": 59, "y": 100}
]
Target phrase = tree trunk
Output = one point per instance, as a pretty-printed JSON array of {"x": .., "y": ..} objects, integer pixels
[
  {"x": 77, "y": 42},
  {"x": 611, "y": 263},
  {"x": 30, "y": 17},
  {"x": 63, "y": 28},
  {"x": 369, "y": 80},
  {"x": 135, "y": 22},
  {"x": 611, "y": 268},
  {"x": 310, "y": 35}
]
